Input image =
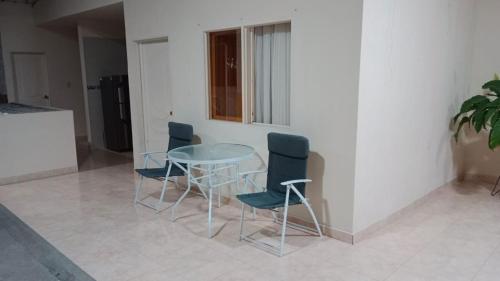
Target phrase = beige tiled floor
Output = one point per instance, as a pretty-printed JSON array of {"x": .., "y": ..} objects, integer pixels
[
  {"x": 91, "y": 158},
  {"x": 90, "y": 217}
]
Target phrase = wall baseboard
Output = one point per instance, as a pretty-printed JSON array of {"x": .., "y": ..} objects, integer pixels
[
  {"x": 38, "y": 175},
  {"x": 367, "y": 232},
  {"x": 327, "y": 230},
  {"x": 481, "y": 177},
  {"x": 353, "y": 238}
]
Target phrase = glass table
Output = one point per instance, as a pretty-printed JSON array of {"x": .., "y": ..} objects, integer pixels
[{"x": 210, "y": 160}]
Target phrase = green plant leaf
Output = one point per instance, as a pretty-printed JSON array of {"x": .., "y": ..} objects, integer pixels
[
  {"x": 495, "y": 118},
  {"x": 460, "y": 125},
  {"x": 493, "y": 85},
  {"x": 479, "y": 120},
  {"x": 494, "y": 138},
  {"x": 480, "y": 115},
  {"x": 472, "y": 103},
  {"x": 495, "y": 103},
  {"x": 489, "y": 113}
]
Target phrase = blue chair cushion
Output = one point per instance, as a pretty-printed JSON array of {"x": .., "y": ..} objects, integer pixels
[
  {"x": 180, "y": 135},
  {"x": 288, "y": 145},
  {"x": 180, "y": 131},
  {"x": 268, "y": 199},
  {"x": 156, "y": 173},
  {"x": 287, "y": 161}
]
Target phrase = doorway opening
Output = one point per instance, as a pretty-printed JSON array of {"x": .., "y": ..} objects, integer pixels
[
  {"x": 155, "y": 92},
  {"x": 103, "y": 58}
]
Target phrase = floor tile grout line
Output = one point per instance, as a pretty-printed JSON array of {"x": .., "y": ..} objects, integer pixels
[
  {"x": 448, "y": 219},
  {"x": 429, "y": 243},
  {"x": 486, "y": 261}
]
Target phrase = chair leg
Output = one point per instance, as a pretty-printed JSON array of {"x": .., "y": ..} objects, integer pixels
[
  {"x": 164, "y": 188},
  {"x": 163, "y": 191},
  {"x": 246, "y": 190},
  {"x": 218, "y": 203},
  {"x": 283, "y": 229},
  {"x": 242, "y": 219},
  {"x": 138, "y": 189},
  {"x": 311, "y": 212}
]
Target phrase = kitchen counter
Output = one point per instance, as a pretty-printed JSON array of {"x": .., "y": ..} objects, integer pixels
[
  {"x": 17, "y": 108},
  {"x": 35, "y": 142}
]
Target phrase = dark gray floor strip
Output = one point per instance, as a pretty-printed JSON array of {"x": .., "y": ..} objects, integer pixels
[{"x": 26, "y": 256}]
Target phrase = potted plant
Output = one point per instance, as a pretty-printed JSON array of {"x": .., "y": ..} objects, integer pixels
[{"x": 482, "y": 112}]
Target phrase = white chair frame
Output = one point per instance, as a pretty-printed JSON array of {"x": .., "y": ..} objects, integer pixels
[
  {"x": 289, "y": 186},
  {"x": 165, "y": 180}
]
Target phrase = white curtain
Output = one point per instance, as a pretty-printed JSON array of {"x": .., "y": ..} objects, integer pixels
[{"x": 272, "y": 74}]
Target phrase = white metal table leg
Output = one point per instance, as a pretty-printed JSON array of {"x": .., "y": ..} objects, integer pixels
[
  {"x": 185, "y": 192},
  {"x": 218, "y": 199},
  {"x": 210, "y": 174},
  {"x": 237, "y": 176},
  {"x": 242, "y": 219},
  {"x": 138, "y": 189},
  {"x": 210, "y": 212}
]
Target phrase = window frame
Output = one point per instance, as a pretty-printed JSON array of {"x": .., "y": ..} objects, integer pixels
[
  {"x": 247, "y": 73},
  {"x": 208, "y": 71}
]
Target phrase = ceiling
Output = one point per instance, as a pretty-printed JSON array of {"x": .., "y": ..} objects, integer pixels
[
  {"x": 108, "y": 19},
  {"x": 27, "y": 2},
  {"x": 112, "y": 12}
]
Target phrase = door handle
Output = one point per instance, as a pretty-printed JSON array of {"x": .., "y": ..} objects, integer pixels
[{"x": 46, "y": 97}]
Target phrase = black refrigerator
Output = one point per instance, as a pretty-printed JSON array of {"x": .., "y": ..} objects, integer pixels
[{"x": 116, "y": 113}]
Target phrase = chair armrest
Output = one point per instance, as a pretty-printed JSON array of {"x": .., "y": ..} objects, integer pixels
[
  {"x": 151, "y": 152},
  {"x": 148, "y": 156},
  {"x": 295, "y": 181},
  {"x": 245, "y": 174}
]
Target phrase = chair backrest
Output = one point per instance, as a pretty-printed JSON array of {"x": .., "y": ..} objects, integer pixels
[
  {"x": 287, "y": 161},
  {"x": 180, "y": 135}
]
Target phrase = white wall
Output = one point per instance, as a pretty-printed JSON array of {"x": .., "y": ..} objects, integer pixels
[
  {"x": 37, "y": 145},
  {"x": 479, "y": 159},
  {"x": 372, "y": 156},
  {"x": 19, "y": 34},
  {"x": 326, "y": 38},
  {"x": 414, "y": 72}
]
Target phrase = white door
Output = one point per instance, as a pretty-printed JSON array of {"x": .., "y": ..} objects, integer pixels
[
  {"x": 31, "y": 79},
  {"x": 156, "y": 94}
]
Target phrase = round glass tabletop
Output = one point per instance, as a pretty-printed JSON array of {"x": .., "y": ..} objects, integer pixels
[{"x": 211, "y": 153}]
